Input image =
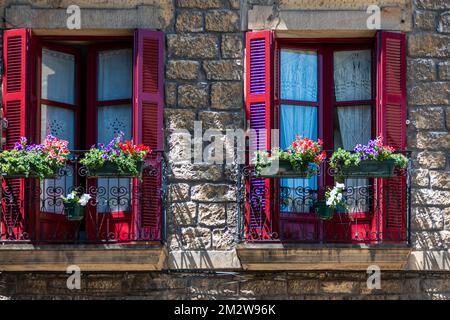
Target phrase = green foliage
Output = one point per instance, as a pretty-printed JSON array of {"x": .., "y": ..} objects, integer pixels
[{"x": 28, "y": 163}]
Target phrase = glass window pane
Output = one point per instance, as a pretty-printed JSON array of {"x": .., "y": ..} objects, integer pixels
[
  {"x": 298, "y": 75},
  {"x": 113, "y": 194},
  {"x": 114, "y": 75},
  {"x": 297, "y": 194},
  {"x": 352, "y": 75},
  {"x": 58, "y": 76},
  {"x": 112, "y": 120},
  {"x": 353, "y": 125},
  {"x": 59, "y": 122}
]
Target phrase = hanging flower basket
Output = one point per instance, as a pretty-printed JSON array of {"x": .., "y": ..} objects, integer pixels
[
  {"x": 75, "y": 205},
  {"x": 74, "y": 212},
  {"x": 325, "y": 212},
  {"x": 111, "y": 169},
  {"x": 284, "y": 170},
  {"x": 369, "y": 169}
]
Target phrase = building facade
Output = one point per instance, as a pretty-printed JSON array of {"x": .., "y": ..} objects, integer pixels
[{"x": 156, "y": 70}]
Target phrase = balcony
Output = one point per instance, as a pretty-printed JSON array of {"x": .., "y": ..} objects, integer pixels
[
  {"x": 122, "y": 210},
  {"x": 279, "y": 228},
  {"x": 279, "y": 210}
]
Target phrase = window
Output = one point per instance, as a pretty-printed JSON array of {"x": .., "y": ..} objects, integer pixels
[
  {"x": 86, "y": 90},
  {"x": 340, "y": 91}
]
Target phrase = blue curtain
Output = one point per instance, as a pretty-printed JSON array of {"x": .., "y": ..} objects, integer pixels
[{"x": 297, "y": 120}]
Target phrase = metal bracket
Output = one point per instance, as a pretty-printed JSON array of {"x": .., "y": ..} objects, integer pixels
[{"x": 4, "y": 123}]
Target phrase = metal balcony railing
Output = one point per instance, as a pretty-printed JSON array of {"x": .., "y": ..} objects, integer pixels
[
  {"x": 121, "y": 209},
  {"x": 378, "y": 210}
]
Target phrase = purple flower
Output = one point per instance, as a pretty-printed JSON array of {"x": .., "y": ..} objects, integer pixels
[
  {"x": 18, "y": 146},
  {"x": 105, "y": 156}
]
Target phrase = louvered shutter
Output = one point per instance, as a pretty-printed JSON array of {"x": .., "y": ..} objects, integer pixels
[
  {"x": 391, "y": 125},
  {"x": 259, "y": 222},
  {"x": 148, "y": 123},
  {"x": 15, "y": 89}
]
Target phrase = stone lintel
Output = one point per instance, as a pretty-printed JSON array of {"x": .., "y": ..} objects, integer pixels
[
  {"x": 310, "y": 257},
  {"x": 130, "y": 257},
  {"x": 25, "y": 16},
  {"x": 394, "y": 18}
]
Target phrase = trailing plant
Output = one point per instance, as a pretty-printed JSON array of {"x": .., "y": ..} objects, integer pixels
[
  {"x": 125, "y": 155},
  {"x": 303, "y": 154},
  {"x": 42, "y": 160},
  {"x": 373, "y": 150}
]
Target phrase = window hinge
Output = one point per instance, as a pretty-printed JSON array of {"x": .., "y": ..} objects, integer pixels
[{"x": 4, "y": 123}]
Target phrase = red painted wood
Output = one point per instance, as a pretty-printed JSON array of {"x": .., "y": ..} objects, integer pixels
[
  {"x": 391, "y": 125},
  {"x": 148, "y": 101},
  {"x": 53, "y": 225},
  {"x": 305, "y": 227},
  {"x": 102, "y": 225},
  {"x": 16, "y": 88},
  {"x": 259, "y": 98}
]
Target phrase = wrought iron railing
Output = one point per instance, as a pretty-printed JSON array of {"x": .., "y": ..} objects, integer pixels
[
  {"x": 377, "y": 210},
  {"x": 121, "y": 209}
]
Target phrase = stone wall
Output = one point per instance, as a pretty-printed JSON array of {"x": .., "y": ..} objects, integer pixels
[
  {"x": 428, "y": 131},
  {"x": 204, "y": 73},
  {"x": 204, "y": 81},
  {"x": 242, "y": 286}
]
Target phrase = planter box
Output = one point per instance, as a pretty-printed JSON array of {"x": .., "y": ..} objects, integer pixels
[
  {"x": 74, "y": 212},
  {"x": 31, "y": 175},
  {"x": 111, "y": 170},
  {"x": 369, "y": 169},
  {"x": 285, "y": 170}
]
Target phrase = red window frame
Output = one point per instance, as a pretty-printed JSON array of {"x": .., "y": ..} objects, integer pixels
[
  {"x": 389, "y": 58},
  {"x": 326, "y": 100},
  {"x": 21, "y": 103}
]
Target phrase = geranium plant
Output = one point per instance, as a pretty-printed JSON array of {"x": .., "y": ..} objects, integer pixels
[
  {"x": 126, "y": 157},
  {"x": 373, "y": 150},
  {"x": 40, "y": 160},
  {"x": 304, "y": 155}
]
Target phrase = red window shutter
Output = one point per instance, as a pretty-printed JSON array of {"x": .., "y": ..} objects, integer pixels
[
  {"x": 15, "y": 89},
  {"x": 259, "y": 224},
  {"x": 391, "y": 125},
  {"x": 148, "y": 122}
]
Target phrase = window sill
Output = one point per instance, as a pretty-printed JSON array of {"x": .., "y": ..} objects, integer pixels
[
  {"x": 321, "y": 257},
  {"x": 114, "y": 257}
]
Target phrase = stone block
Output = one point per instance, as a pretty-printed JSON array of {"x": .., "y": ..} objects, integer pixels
[
  {"x": 193, "y": 95},
  {"x": 182, "y": 70},
  {"x": 189, "y": 21},
  {"x": 212, "y": 214},
  {"x": 189, "y": 46},
  {"x": 209, "y": 192},
  {"x": 226, "y": 95},
  {"x": 223, "y": 69},
  {"x": 432, "y": 159},
  {"x": 222, "y": 21}
]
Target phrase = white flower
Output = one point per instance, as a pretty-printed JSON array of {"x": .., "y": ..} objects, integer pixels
[
  {"x": 84, "y": 199},
  {"x": 340, "y": 185},
  {"x": 71, "y": 196}
]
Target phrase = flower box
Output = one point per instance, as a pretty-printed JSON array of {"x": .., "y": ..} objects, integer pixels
[
  {"x": 74, "y": 212},
  {"x": 285, "y": 170},
  {"x": 111, "y": 169},
  {"x": 368, "y": 169},
  {"x": 325, "y": 212}
]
